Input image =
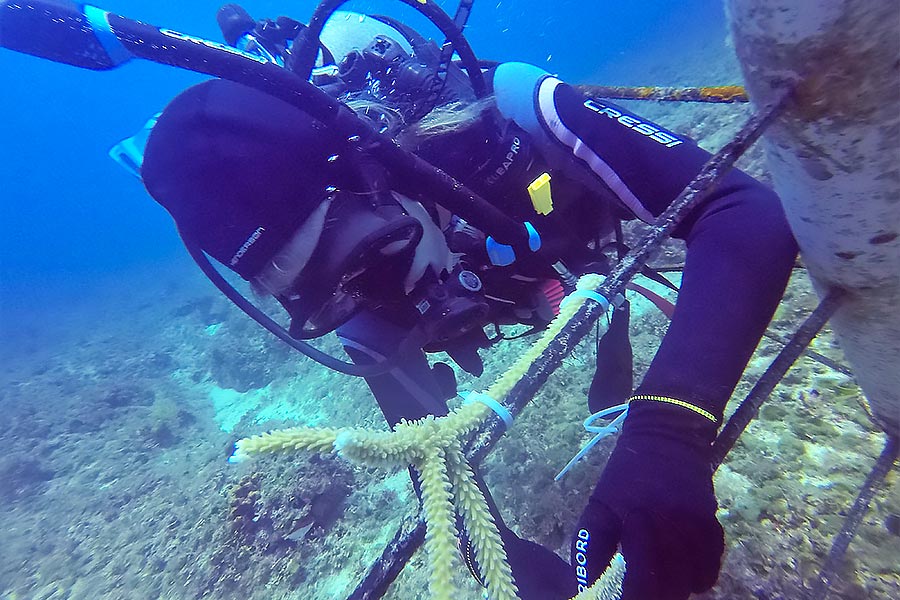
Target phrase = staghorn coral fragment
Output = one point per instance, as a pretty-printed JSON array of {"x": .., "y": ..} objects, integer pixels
[
  {"x": 479, "y": 523},
  {"x": 283, "y": 440},
  {"x": 609, "y": 586},
  {"x": 567, "y": 309},
  {"x": 441, "y": 534}
]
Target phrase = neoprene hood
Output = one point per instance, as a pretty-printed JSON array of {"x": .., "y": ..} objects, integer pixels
[{"x": 209, "y": 162}]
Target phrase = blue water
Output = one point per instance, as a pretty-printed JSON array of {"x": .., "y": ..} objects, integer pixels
[{"x": 71, "y": 217}]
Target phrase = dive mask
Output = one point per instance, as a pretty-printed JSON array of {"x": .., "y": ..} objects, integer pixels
[{"x": 361, "y": 259}]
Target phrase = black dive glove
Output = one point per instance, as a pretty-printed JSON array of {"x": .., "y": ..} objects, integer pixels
[{"x": 655, "y": 499}]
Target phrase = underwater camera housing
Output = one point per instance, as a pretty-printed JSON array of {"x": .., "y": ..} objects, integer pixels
[
  {"x": 266, "y": 38},
  {"x": 410, "y": 79},
  {"x": 391, "y": 75},
  {"x": 451, "y": 308}
]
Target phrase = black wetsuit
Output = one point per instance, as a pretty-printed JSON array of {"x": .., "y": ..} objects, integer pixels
[{"x": 739, "y": 249}]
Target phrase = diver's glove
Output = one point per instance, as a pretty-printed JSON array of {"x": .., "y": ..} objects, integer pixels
[{"x": 655, "y": 499}]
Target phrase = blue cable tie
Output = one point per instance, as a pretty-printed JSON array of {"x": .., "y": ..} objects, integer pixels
[
  {"x": 589, "y": 294},
  {"x": 602, "y": 431},
  {"x": 492, "y": 404},
  {"x": 501, "y": 255},
  {"x": 534, "y": 238}
]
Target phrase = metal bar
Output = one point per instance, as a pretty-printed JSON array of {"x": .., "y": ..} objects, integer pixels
[
  {"x": 749, "y": 407},
  {"x": 406, "y": 541},
  {"x": 851, "y": 523},
  {"x": 812, "y": 354},
  {"x": 728, "y": 94}
]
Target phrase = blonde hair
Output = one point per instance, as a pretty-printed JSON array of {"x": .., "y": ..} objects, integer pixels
[{"x": 447, "y": 118}]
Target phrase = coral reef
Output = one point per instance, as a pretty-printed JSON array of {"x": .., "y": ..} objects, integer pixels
[
  {"x": 266, "y": 532},
  {"x": 22, "y": 476}
]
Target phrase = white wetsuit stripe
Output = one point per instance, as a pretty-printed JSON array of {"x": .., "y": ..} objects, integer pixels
[{"x": 553, "y": 122}]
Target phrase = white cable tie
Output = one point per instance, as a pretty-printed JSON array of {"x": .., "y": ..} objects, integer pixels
[
  {"x": 602, "y": 431},
  {"x": 588, "y": 295}
]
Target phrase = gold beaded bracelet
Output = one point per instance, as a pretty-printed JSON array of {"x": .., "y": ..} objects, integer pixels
[{"x": 703, "y": 413}]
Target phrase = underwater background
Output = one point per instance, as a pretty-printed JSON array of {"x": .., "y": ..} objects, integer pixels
[{"x": 125, "y": 378}]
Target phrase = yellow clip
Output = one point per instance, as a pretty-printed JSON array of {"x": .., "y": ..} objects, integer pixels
[{"x": 541, "y": 198}]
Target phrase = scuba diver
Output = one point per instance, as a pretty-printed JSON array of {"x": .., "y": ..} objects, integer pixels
[{"x": 348, "y": 246}]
